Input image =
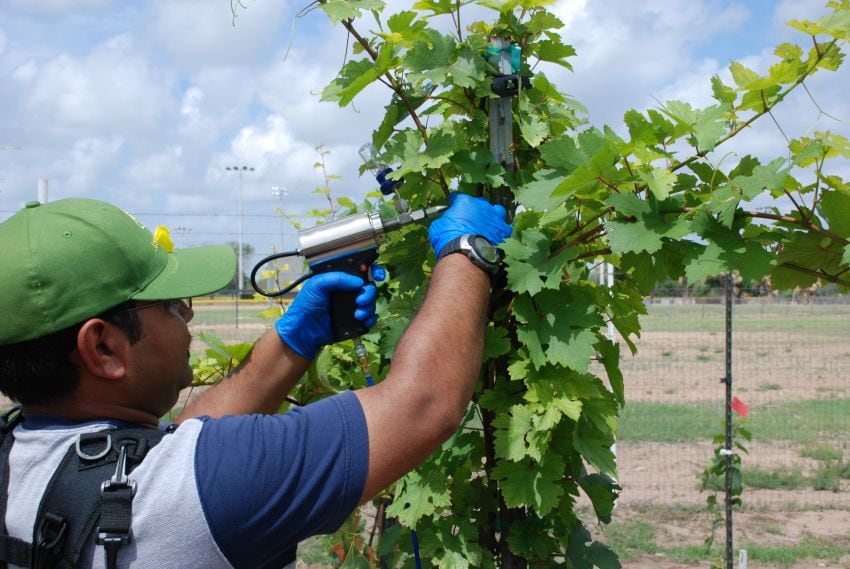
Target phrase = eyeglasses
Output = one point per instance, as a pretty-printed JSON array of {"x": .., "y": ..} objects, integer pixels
[{"x": 175, "y": 305}]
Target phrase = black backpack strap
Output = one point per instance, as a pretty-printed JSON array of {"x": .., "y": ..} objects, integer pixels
[
  {"x": 12, "y": 550},
  {"x": 90, "y": 489}
]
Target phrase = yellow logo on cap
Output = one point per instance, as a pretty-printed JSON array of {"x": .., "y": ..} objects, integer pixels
[{"x": 162, "y": 238}]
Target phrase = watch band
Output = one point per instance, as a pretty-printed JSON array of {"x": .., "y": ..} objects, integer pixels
[{"x": 462, "y": 244}]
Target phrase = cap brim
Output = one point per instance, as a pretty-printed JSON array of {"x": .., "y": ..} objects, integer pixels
[{"x": 192, "y": 272}]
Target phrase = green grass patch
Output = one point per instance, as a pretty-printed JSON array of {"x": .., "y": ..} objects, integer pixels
[
  {"x": 812, "y": 319},
  {"x": 778, "y": 555},
  {"x": 822, "y": 452},
  {"x": 798, "y": 422},
  {"x": 769, "y": 387},
  {"x": 784, "y": 478},
  {"x": 663, "y": 422},
  {"x": 631, "y": 539},
  {"x": 808, "y": 548}
]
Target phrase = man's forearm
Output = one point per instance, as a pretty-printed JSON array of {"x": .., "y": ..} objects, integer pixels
[{"x": 259, "y": 385}]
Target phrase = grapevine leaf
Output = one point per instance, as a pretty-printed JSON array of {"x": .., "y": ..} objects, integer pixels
[
  {"x": 562, "y": 154},
  {"x": 835, "y": 208},
  {"x": 751, "y": 259},
  {"x": 537, "y": 195},
  {"x": 431, "y": 60},
  {"x": 602, "y": 491},
  {"x": 436, "y": 6},
  {"x": 419, "y": 497},
  {"x": 610, "y": 353},
  {"x": 496, "y": 342},
  {"x": 523, "y": 277},
  {"x": 742, "y": 75},
  {"x": 584, "y": 556},
  {"x": 722, "y": 92},
  {"x": 531, "y": 483},
  {"x": 355, "y": 76},
  {"x": 531, "y": 539},
  {"x": 845, "y": 257},
  {"x": 627, "y": 237},
  {"x": 811, "y": 251},
  {"x": 770, "y": 177},
  {"x": 518, "y": 369},
  {"x": 341, "y": 10},
  {"x": 534, "y": 130},
  {"x": 554, "y": 51},
  {"x": 573, "y": 349},
  {"x": 511, "y": 431},
  {"x": 660, "y": 182},
  {"x": 595, "y": 446},
  {"x": 478, "y": 167},
  {"x": 439, "y": 150},
  {"x": 546, "y": 396}
]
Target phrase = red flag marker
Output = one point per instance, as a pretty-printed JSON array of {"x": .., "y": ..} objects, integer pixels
[{"x": 740, "y": 407}]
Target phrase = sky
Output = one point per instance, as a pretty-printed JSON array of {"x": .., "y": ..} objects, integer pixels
[{"x": 147, "y": 103}]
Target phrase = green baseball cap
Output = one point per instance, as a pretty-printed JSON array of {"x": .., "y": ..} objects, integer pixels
[{"x": 72, "y": 259}]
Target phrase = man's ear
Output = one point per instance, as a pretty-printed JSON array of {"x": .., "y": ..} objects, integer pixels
[{"x": 103, "y": 349}]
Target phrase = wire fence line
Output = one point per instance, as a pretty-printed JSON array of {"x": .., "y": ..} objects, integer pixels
[
  {"x": 789, "y": 359},
  {"x": 789, "y": 355}
]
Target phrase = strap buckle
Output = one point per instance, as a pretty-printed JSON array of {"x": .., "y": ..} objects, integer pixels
[
  {"x": 49, "y": 537},
  {"x": 119, "y": 480},
  {"x": 114, "y": 497}
]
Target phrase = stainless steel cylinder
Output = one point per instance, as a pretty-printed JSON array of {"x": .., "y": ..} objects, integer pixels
[{"x": 352, "y": 233}]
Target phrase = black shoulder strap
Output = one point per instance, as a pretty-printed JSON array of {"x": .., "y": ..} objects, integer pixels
[
  {"x": 12, "y": 550},
  {"x": 88, "y": 490},
  {"x": 90, "y": 486}
]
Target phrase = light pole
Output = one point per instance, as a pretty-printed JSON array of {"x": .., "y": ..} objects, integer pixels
[
  {"x": 240, "y": 170},
  {"x": 280, "y": 193}
]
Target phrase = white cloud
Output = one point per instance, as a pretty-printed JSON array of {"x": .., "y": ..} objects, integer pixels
[
  {"x": 112, "y": 88},
  {"x": 82, "y": 171},
  {"x": 199, "y": 32}
]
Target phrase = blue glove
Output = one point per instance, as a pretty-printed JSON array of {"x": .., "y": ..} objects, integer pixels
[
  {"x": 306, "y": 325},
  {"x": 469, "y": 215}
]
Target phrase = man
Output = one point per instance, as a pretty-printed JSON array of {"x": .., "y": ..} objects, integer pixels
[{"x": 94, "y": 336}]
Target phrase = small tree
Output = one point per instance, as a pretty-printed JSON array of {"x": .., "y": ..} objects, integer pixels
[{"x": 656, "y": 204}]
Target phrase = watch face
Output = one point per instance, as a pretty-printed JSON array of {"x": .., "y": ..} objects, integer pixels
[{"x": 483, "y": 247}]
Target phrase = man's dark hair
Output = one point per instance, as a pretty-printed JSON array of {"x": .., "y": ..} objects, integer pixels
[{"x": 40, "y": 371}]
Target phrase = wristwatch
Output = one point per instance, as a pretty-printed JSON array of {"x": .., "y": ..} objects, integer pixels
[{"x": 480, "y": 251}]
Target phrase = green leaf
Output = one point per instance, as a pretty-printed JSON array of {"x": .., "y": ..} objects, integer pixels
[
  {"x": 584, "y": 556},
  {"x": 537, "y": 195},
  {"x": 531, "y": 539},
  {"x": 660, "y": 182},
  {"x": 496, "y": 342},
  {"x": 436, "y": 6},
  {"x": 835, "y": 208},
  {"x": 355, "y": 76},
  {"x": 534, "y": 130},
  {"x": 602, "y": 491},
  {"x": 340, "y": 10},
  {"x": 742, "y": 75},
  {"x": 770, "y": 177},
  {"x": 511, "y": 431},
  {"x": 595, "y": 447},
  {"x": 610, "y": 353},
  {"x": 554, "y": 51},
  {"x": 553, "y": 335},
  {"x": 530, "y": 483},
  {"x": 419, "y": 497},
  {"x": 723, "y": 93}
]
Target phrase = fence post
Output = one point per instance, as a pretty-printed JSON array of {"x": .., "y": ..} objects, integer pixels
[{"x": 728, "y": 419}]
